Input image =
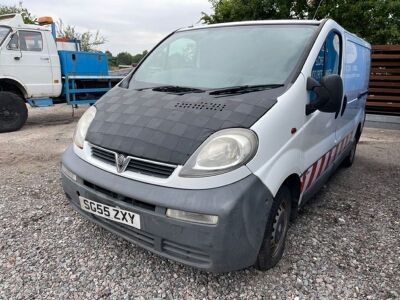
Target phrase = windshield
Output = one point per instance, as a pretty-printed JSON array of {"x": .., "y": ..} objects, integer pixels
[
  {"x": 3, "y": 33},
  {"x": 220, "y": 57}
]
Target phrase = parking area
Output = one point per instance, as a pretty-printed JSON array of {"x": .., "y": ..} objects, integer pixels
[{"x": 345, "y": 243}]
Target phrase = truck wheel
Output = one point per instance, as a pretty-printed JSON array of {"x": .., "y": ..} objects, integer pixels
[
  {"x": 349, "y": 160},
  {"x": 13, "y": 112},
  {"x": 273, "y": 244}
]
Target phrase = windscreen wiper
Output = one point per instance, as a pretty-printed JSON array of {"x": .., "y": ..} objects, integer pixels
[
  {"x": 242, "y": 89},
  {"x": 173, "y": 89}
]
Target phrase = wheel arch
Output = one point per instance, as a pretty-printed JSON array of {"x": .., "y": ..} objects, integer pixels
[
  {"x": 13, "y": 85},
  {"x": 358, "y": 132},
  {"x": 292, "y": 182}
]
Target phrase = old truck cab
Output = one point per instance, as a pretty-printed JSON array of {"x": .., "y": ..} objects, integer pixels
[{"x": 29, "y": 58}]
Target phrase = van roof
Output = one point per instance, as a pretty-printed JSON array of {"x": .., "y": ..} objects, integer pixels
[
  {"x": 262, "y": 22},
  {"x": 276, "y": 22}
]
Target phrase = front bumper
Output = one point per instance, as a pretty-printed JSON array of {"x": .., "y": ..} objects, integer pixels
[{"x": 233, "y": 243}]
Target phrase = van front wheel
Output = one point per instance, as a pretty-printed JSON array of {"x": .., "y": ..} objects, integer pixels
[
  {"x": 13, "y": 112},
  {"x": 273, "y": 244},
  {"x": 349, "y": 160}
]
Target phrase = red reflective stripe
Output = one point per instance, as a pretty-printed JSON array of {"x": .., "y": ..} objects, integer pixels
[
  {"x": 341, "y": 146},
  {"x": 327, "y": 160},
  {"x": 314, "y": 167},
  {"x": 348, "y": 138},
  {"x": 344, "y": 143},
  {"x": 335, "y": 149},
  {"x": 321, "y": 166},
  {"x": 303, "y": 178}
]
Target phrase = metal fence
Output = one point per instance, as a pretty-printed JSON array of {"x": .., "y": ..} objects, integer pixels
[{"x": 384, "y": 85}]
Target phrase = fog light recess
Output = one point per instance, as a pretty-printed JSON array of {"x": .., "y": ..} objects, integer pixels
[
  {"x": 68, "y": 173},
  {"x": 191, "y": 217}
]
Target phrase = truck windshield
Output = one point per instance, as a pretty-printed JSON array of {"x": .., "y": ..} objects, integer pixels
[
  {"x": 3, "y": 33},
  {"x": 221, "y": 57}
]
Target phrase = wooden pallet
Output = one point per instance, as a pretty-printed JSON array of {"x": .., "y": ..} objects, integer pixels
[{"x": 384, "y": 85}]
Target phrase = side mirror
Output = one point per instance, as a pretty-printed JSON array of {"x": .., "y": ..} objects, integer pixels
[{"x": 329, "y": 94}]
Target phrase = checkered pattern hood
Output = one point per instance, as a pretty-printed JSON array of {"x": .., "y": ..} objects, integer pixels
[{"x": 170, "y": 127}]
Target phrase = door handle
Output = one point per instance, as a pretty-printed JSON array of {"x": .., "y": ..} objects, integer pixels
[
  {"x": 19, "y": 56},
  {"x": 45, "y": 58}
]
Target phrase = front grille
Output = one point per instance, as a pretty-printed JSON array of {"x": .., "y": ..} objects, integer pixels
[
  {"x": 136, "y": 165},
  {"x": 149, "y": 169},
  {"x": 139, "y": 236},
  {"x": 105, "y": 156},
  {"x": 184, "y": 253}
]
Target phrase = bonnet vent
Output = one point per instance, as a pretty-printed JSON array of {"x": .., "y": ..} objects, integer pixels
[{"x": 201, "y": 106}]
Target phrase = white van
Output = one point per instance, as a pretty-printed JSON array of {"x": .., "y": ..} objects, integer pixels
[{"x": 209, "y": 147}]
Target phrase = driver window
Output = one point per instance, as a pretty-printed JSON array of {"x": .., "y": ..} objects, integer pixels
[
  {"x": 13, "y": 43},
  {"x": 30, "y": 40},
  {"x": 328, "y": 60}
]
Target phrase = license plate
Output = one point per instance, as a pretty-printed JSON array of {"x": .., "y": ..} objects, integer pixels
[{"x": 109, "y": 212}]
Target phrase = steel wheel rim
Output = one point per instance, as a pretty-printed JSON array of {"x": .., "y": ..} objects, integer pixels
[{"x": 279, "y": 228}]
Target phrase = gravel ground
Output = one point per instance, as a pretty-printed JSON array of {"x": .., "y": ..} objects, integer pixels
[{"x": 345, "y": 243}]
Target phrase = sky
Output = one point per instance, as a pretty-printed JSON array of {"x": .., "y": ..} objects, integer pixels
[{"x": 127, "y": 25}]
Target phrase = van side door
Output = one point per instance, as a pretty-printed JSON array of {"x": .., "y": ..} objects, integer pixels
[
  {"x": 355, "y": 86},
  {"x": 320, "y": 129},
  {"x": 26, "y": 59}
]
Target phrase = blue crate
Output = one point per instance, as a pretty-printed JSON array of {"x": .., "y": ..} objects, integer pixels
[{"x": 83, "y": 63}]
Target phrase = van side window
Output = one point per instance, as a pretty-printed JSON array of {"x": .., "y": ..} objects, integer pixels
[
  {"x": 328, "y": 60},
  {"x": 30, "y": 40}
]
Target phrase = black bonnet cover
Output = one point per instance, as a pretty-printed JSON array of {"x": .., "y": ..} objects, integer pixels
[{"x": 169, "y": 127}]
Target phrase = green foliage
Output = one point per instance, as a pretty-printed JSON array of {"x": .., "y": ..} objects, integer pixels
[
  {"x": 243, "y": 10},
  {"x": 89, "y": 40},
  {"x": 28, "y": 18},
  {"x": 125, "y": 58},
  {"x": 112, "y": 61},
  {"x": 378, "y": 21},
  {"x": 138, "y": 57}
]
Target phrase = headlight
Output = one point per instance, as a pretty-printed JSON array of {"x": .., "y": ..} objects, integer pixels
[
  {"x": 83, "y": 126},
  {"x": 223, "y": 151}
]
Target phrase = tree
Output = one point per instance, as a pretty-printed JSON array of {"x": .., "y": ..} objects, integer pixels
[
  {"x": 138, "y": 57},
  {"x": 112, "y": 61},
  {"x": 243, "y": 10},
  {"x": 378, "y": 21},
  {"x": 26, "y": 15},
  {"x": 124, "y": 58},
  {"x": 89, "y": 40}
]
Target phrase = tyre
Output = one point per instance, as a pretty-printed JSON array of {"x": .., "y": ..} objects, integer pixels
[
  {"x": 273, "y": 243},
  {"x": 13, "y": 112},
  {"x": 349, "y": 160}
]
